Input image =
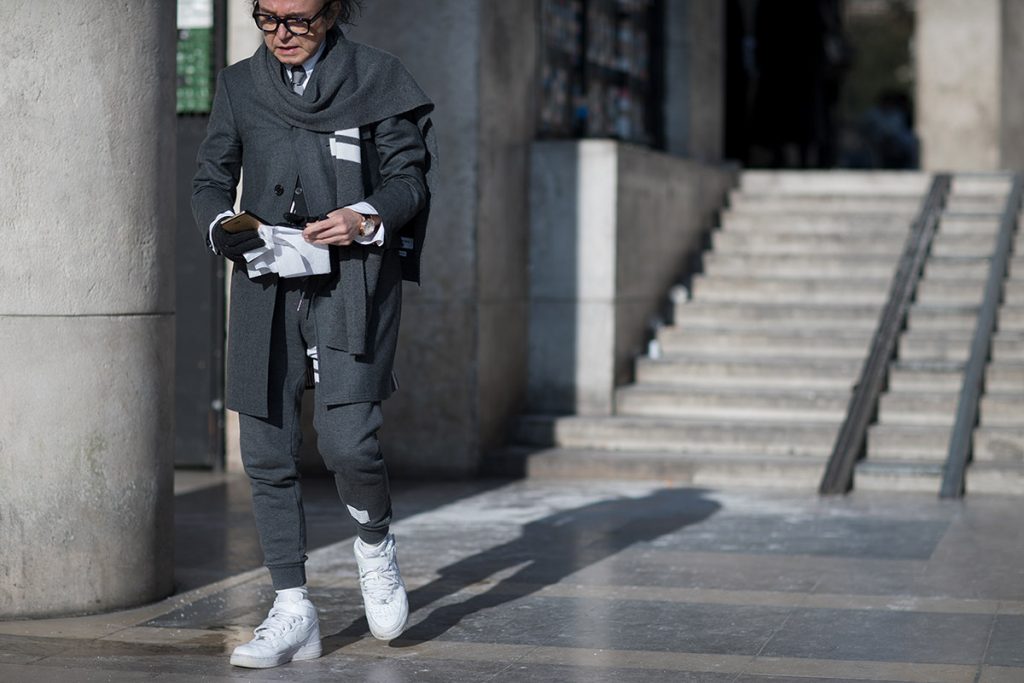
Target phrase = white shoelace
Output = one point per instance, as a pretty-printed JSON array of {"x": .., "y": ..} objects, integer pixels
[
  {"x": 380, "y": 582},
  {"x": 277, "y": 623}
]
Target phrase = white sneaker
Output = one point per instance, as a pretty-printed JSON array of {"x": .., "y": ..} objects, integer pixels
[
  {"x": 290, "y": 632},
  {"x": 387, "y": 607}
]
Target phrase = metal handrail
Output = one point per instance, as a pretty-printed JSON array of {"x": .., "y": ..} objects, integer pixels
[
  {"x": 959, "y": 453},
  {"x": 863, "y": 405}
]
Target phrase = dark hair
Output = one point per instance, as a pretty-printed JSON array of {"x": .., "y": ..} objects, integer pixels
[{"x": 349, "y": 8}]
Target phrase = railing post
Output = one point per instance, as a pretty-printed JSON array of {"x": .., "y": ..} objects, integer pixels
[
  {"x": 863, "y": 405},
  {"x": 959, "y": 453}
]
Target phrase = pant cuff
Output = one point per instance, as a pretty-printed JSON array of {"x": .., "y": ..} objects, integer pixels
[
  {"x": 288, "y": 576},
  {"x": 372, "y": 536}
]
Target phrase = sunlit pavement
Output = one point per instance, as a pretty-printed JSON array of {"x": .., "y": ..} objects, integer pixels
[{"x": 587, "y": 581}]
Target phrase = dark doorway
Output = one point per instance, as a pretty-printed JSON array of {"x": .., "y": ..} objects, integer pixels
[
  {"x": 820, "y": 83},
  {"x": 199, "y": 339}
]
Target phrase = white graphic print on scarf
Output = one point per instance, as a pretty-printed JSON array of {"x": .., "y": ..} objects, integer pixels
[{"x": 345, "y": 145}]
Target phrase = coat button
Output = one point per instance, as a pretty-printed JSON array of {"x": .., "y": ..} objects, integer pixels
[{"x": 279, "y": 190}]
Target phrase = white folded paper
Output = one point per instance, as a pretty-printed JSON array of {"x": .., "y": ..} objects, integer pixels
[{"x": 287, "y": 254}]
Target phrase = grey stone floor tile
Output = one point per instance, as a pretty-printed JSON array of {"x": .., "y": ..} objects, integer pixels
[
  {"x": 14, "y": 673},
  {"x": 810, "y": 534},
  {"x": 1006, "y": 644},
  {"x": 802, "y": 679},
  {"x": 882, "y": 636},
  {"x": 32, "y": 647},
  {"x": 223, "y": 608},
  {"x": 479, "y": 556},
  {"x": 647, "y": 567},
  {"x": 202, "y": 667},
  {"x": 606, "y": 624},
  {"x": 536, "y": 673}
]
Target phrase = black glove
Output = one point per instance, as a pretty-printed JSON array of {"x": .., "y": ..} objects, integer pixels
[{"x": 234, "y": 245}]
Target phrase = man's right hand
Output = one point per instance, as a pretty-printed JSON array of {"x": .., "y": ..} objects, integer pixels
[{"x": 233, "y": 246}]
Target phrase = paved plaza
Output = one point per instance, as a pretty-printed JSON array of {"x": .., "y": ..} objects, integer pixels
[{"x": 586, "y": 581}]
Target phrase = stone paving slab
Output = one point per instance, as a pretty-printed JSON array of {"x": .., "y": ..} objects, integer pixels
[{"x": 591, "y": 581}]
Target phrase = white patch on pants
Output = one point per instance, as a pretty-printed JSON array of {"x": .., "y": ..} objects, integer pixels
[
  {"x": 361, "y": 516},
  {"x": 312, "y": 353}
]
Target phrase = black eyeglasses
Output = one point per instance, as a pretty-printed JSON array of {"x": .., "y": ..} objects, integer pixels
[{"x": 297, "y": 26}]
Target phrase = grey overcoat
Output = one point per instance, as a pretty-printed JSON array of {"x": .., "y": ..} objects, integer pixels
[{"x": 247, "y": 134}]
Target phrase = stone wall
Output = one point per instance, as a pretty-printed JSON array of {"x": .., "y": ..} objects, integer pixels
[{"x": 630, "y": 219}]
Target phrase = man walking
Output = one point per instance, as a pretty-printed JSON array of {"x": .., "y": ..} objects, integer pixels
[{"x": 333, "y": 136}]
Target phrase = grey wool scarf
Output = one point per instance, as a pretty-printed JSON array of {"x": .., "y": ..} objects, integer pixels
[{"x": 353, "y": 86}]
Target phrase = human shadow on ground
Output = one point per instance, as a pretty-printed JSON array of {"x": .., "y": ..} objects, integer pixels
[{"x": 548, "y": 550}]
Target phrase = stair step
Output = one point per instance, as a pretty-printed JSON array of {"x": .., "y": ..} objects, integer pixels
[
  {"x": 1011, "y": 317},
  {"x": 760, "y": 204},
  {"x": 944, "y": 292},
  {"x": 1013, "y": 293},
  {"x": 973, "y": 268},
  {"x": 939, "y": 408},
  {"x": 981, "y": 183},
  {"x": 922, "y": 375},
  {"x": 730, "y": 242},
  {"x": 962, "y": 245},
  {"x": 621, "y": 433},
  {"x": 934, "y": 317},
  {"x": 992, "y": 205},
  {"x": 691, "y": 314},
  {"x": 995, "y": 479},
  {"x": 837, "y": 374},
  {"x": 716, "y": 470},
  {"x": 918, "y": 442},
  {"x": 871, "y": 183},
  {"x": 774, "y": 290},
  {"x": 765, "y": 342},
  {"x": 811, "y": 224},
  {"x": 747, "y": 403},
  {"x": 798, "y": 266},
  {"x": 999, "y": 444},
  {"x": 955, "y": 346},
  {"x": 1004, "y": 376},
  {"x": 950, "y": 224},
  {"x": 907, "y": 442},
  {"x": 898, "y": 475}
]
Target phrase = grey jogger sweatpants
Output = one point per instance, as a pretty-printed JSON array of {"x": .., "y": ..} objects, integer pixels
[{"x": 346, "y": 439}]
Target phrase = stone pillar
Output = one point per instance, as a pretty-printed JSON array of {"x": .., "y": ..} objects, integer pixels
[
  {"x": 86, "y": 307},
  {"x": 970, "y": 101},
  {"x": 463, "y": 346}
]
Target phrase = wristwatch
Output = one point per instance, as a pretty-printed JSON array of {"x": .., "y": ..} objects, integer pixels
[{"x": 367, "y": 227}]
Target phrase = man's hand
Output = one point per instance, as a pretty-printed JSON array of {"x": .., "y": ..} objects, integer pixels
[
  {"x": 341, "y": 227},
  {"x": 233, "y": 246}
]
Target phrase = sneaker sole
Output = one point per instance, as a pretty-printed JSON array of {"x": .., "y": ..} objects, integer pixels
[
  {"x": 311, "y": 651},
  {"x": 390, "y": 635}
]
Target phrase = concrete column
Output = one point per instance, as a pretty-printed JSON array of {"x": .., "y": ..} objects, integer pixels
[
  {"x": 463, "y": 347},
  {"x": 958, "y": 67},
  {"x": 86, "y": 307},
  {"x": 970, "y": 100},
  {"x": 432, "y": 424}
]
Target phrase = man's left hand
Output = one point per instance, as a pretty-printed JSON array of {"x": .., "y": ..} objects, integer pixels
[{"x": 341, "y": 227}]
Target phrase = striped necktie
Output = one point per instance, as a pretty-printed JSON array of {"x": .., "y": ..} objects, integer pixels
[{"x": 298, "y": 79}]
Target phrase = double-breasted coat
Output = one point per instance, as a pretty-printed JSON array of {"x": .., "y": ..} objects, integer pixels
[{"x": 246, "y": 135}]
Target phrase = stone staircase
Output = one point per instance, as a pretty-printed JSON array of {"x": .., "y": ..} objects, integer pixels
[
  {"x": 907, "y": 448},
  {"x": 750, "y": 383}
]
